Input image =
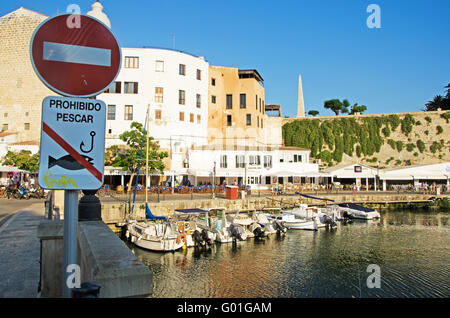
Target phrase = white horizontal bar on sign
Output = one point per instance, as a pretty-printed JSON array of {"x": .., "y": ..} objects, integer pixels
[{"x": 68, "y": 53}]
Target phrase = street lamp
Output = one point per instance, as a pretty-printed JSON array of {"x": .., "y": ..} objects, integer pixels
[
  {"x": 378, "y": 175},
  {"x": 214, "y": 181}
]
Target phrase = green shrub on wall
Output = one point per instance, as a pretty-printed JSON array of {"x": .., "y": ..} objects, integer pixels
[{"x": 420, "y": 145}]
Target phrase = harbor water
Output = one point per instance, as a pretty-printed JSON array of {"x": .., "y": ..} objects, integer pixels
[{"x": 410, "y": 248}]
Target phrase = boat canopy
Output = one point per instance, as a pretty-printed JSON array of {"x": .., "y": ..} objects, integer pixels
[
  {"x": 149, "y": 215},
  {"x": 355, "y": 207},
  {"x": 191, "y": 210},
  {"x": 311, "y": 197}
]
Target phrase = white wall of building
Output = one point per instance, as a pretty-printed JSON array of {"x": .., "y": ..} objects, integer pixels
[
  {"x": 169, "y": 130},
  {"x": 201, "y": 163}
]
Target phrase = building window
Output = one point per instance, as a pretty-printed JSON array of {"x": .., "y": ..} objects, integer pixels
[
  {"x": 5, "y": 127},
  {"x": 249, "y": 119},
  {"x": 267, "y": 161},
  {"x": 243, "y": 101},
  {"x": 159, "y": 66},
  {"x": 256, "y": 102},
  {"x": 114, "y": 88},
  {"x": 254, "y": 160},
  {"x": 223, "y": 161},
  {"x": 213, "y": 82},
  {"x": 109, "y": 131},
  {"x": 229, "y": 120},
  {"x": 199, "y": 101},
  {"x": 240, "y": 161},
  {"x": 229, "y": 101},
  {"x": 199, "y": 119},
  {"x": 263, "y": 108},
  {"x": 257, "y": 121},
  {"x": 158, "y": 114},
  {"x": 181, "y": 97},
  {"x": 27, "y": 126},
  {"x": 131, "y": 62},
  {"x": 5, "y": 115},
  {"x": 199, "y": 75},
  {"x": 130, "y": 88},
  {"x": 281, "y": 158},
  {"x": 191, "y": 118},
  {"x": 159, "y": 95},
  {"x": 128, "y": 112},
  {"x": 262, "y": 122},
  {"x": 111, "y": 112},
  {"x": 182, "y": 69},
  {"x": 181, "y": 116},
  {"x": 213, "y": 99}
]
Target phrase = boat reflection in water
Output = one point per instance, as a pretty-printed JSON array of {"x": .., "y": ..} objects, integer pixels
[{"x": 411, "y": 248}]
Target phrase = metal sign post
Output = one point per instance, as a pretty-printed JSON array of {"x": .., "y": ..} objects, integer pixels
[
  {"x": 75, "y": 62},
  {"x": 70, "y": 239}
]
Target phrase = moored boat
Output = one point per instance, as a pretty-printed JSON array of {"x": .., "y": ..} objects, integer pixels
[
  {"x": 154, "y": 236},
  {"x": 356, "y": 211}
]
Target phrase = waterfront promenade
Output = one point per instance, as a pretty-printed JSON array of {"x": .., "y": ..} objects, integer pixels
[{"x": 19, "y": 248}]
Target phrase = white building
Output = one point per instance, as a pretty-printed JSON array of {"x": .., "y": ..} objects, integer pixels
[
  {"x": 174, "y": 85},
  {"x": 360, "y": 175},
  {"x": 249, "y": 165},
  {"x": 417, "y": 175}
]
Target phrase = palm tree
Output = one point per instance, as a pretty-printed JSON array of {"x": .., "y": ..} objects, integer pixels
[{"x": 437, "y": 102}]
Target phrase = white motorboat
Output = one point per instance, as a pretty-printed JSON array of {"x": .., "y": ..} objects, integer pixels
[
  {"x": 198, "y": 226},
  {"x": 293, "y": 222},
  {"x": 247, "y": 223},
  {"x": 268, "y": 225},
  {"x": 220, "y": 226},
  {"x": 325, "y": 216},
  {"x": 155, "y": 236},
  {"x": 356, "y": 211}
]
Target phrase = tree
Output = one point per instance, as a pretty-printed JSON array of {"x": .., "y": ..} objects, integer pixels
[
  {"x": 23, "y": 160},
  {"x": 337, "y": 106},
  {"x": 313, "y": 113},
  {"x": 439, "y": 101},
  {"x": 357, "y": 109},
  {"x": 128, "y": 158}
]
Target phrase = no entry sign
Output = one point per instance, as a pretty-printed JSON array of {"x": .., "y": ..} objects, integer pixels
[
  {"x": 75, "y": 61},
  {"x": 72, "y": 144}
]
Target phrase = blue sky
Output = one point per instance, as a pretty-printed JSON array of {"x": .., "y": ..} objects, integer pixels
[{"x": 396, "y": 68}]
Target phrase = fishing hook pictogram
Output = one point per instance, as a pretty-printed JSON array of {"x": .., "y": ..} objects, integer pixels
[{"x": 92, "y": 143}]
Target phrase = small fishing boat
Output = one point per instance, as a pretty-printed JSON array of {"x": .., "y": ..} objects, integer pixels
[
  {"x": 250, "y": 227},
  {"x": 325, "y": 216},
  {"x": 356, "y": 211},
  {"x": 293, "y": 222},
  {"x": 154, "y": 236},
  {"x": 268, "y": 225}
]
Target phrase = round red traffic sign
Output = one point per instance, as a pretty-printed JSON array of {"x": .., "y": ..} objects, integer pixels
[{"x": 75, "y": 59}]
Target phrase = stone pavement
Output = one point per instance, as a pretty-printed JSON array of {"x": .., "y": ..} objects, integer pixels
[{"x": 20, "y": 253}]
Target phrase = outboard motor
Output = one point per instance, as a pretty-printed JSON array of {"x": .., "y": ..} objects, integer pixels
[
  {"x": 279, "y": 227},
  {"x": 347, "y": 218},
  {"x": 259, "y": 232},
  {"x": 205, "y": 237},
  {"x": 235, "y": 232},
  {"x": 328, "y": 221},
  {"x": 198, "y": 239}
]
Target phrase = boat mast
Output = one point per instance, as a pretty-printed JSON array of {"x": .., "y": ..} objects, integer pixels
[{"x": 146, "y": 157}]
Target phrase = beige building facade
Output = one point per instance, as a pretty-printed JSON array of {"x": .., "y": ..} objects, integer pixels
[
  {"x": 236, "y": 107},
  {"x": 21, "y": 91}
]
